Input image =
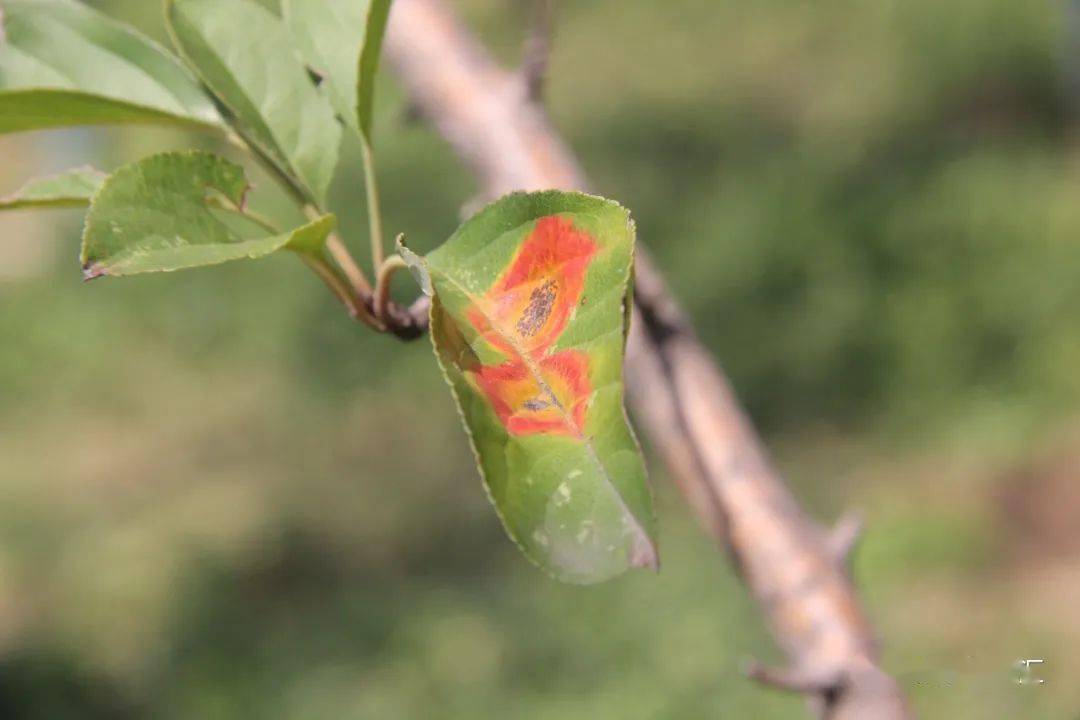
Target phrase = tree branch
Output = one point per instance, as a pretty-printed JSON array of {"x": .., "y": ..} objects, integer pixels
[
  {"x": 679, "y": 396},
  {"x": 537, "y": 50}
]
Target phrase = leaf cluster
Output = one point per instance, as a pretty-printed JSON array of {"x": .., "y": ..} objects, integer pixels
[{"x": 546, "y": 420}]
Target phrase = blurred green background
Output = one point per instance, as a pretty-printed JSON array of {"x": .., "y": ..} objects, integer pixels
[{"x": 219, "y": 498}]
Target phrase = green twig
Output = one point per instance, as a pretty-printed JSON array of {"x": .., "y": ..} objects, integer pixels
[
  {"x": 382, "y": 284},
  {"x": 338, "y": 285},
  {"x": 374, "y": 212},
  {"x": 353, "y": 272}
]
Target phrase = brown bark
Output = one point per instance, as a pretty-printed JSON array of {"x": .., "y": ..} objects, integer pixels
[{"x": 678, "y": 395}]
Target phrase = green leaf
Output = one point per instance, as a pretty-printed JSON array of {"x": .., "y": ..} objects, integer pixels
[
  {"x": 73, "y": 188},
  {"x": 416, "y": 266},
  {"x": 63, "y": 64},
  {"x": 244, "y": 55},
  {"x": 170, "y": 211},
  {"x": 528, "y": 323},
  {"x": 341, "y": 40}
]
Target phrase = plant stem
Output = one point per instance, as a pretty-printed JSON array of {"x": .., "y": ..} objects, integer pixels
[
  {"x": 340, "y": 287},
  {"x": 371, "y": 187},
  {"x": 382, "y": 284},
  {"x": 353, "y": 272},
  {"x": 291, "y": 186}
]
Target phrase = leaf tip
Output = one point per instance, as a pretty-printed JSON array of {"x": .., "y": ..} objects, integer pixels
[
  {"x": 92, "y": 271},
  {"x": 643, "y": 553},
  {"x": 416, "y": 265}
]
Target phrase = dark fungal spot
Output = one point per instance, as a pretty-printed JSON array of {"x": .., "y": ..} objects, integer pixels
[
  {"x": 536, "y": 313},
  {"x": 536, "y": 404}
]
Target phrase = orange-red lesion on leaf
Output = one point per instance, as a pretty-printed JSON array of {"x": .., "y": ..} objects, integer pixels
[
  {"x": 531, "y": 303},
  {"x": 555, "y": 405},
  {"x": 522, "y": 315}
]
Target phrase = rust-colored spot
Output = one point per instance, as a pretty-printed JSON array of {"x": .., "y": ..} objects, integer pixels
[
  {"x": 537, "y": 390},
  {"x": 529, "y": 306},
  {"x": 554, "y": 403}
]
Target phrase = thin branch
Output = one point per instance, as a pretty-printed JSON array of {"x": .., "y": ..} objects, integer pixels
[
  {"x": 681, "y": 399},
  {"x": 382, "y": 285},
  {"x": 360, "y": 289},
  {"x": 357, "y": 279},
  {"x": 537, "y": 50},
  {"x": 371, "y": 187},
  {"x": 845, "y": 536},
  {"x": 355, "y": 305},
  {"x": 343, "y": 257},
  {"x": 798, "y": 680},
  {"x": 406, "y": 323}
]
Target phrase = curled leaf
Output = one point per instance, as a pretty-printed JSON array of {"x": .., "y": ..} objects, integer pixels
[{"x": 528, "y": 323}]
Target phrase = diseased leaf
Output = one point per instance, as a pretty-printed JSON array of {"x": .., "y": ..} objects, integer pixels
[
  {"x": 341, "y": 40},
  {"x": 63, "y": 64},
  {"x": 164, "y": 213},
  {"x": 73, "y": 188},
  {"x": 244, "y": 55},
  {"x": 528, "y": 323}
]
